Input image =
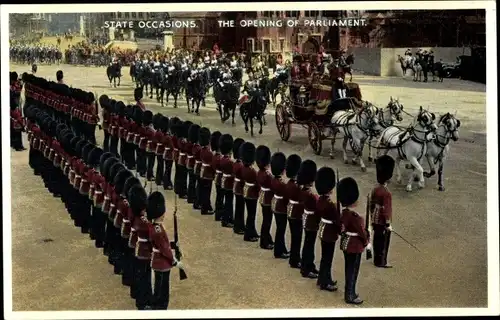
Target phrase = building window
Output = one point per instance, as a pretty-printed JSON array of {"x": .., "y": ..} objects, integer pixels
[
  {"x": 282, "y": 44},
  {"x": 250, "y": 45},
  {"x": 292, "y": 14}
]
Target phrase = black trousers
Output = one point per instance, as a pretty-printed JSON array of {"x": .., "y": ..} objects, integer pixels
[
  {"x": 250, "y": 230},
  {"x": 150, "y": 158},
  {"x": 325, "y": 266},
  {"x": 204, "y": 188},
  {"x": 307, "y": 263},
  {"x": 239, "y": 213},
  {"x": 144, "y": 293},
  {"x": 180, "y": 183},
  {"x": 141, "y": 161},
  {"x": 160, "y": 170},
  {"x": 113, "y": 146},
  {"x": 381, "y": 241},
  {"x": 227, "y": 216},
  {"x": 352, "y": 263},
  {"x": 16, "y": 139},
  {"x": 161, "y": 295},
  {"x": 127, "y": 262},
  {"x": 219, "y": 202},
  {"x": 265, "y": 230},
  {"x": 123, "y": 151},
  {"x": 295, "y": 241},
  {"x": 279, "y": 237},
  {"x": 99, "y": 226},
  {"x": 105, "y": 143},
  {"x": 191, "y": 189},
  {"x": 167, "y": 175}
]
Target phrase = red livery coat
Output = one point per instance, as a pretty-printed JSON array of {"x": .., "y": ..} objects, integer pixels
[
  {"x": 280, "y": 200},
  {"x": 311, "y": 215},
  {"x": 238, "y": 177},
  {"x": 226, "y": 166},
  {"x": 264, "y": 179},
  {"x": 160, "y": 142},
  {"x": 295, "y": 207},
  {"x": 196, "y": 152},
  {"x": 162, "y": 259},
  {"x": 216, "y": 166},
  {"x": 354, "y": 223},
  {"x": 330, "y": 225},
  {"x": 251, "y": 188},
  {"x": 182, "y": 158},
  {"x": 143, "y": 246},
  {"x": 381, "y": 205},
  {"x": 207, "y": 169}
]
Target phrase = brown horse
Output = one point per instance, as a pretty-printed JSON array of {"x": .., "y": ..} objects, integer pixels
[{"x": 347, "y": 68}]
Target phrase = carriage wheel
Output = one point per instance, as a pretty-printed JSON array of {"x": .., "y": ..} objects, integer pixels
[
  {"x": 315, "y": 139},
  {"x": 282, "y": 122}
]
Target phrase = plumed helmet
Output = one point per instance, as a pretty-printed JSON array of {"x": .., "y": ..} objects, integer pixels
[
  {"x": 385, "y": 168},
  {"x": 325, "y": 181},
  {"x": 247, "y": 153},
  {"x": 147, "y": 118},
  {"x": 214, "y": 140},
  {"x": 226, "y": 144},
  {"x": 262, "y": 156},
  {"x": 278, "y": 163},
  {"x": 347, "y": 191},
  {"x": 156, "y": 205},
  {"x": 204, "y": 137},
  {"x": 307, "y": 173},
  {"x": 137, "y": 199},
  {"x": 236, "y": 147},
  {"x": 293, "y": 165},
  {"x": 193, "y": 133}
]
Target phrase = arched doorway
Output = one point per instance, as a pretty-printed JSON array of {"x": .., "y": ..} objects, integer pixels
[{"x": 310, "y": 46}]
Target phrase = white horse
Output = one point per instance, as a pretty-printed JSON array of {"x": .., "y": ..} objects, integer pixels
[
  {"x": 409, "y": 144},
  {"x": 386, "y": 118},
  {"x": 438, "y": 149},
  {"x": 356, "y": 127}
]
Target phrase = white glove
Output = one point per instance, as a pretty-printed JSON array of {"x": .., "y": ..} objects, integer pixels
[
  {"x": 369, "y": 247},
  {"x": 389, "y": 228},
  {"x": 179, "y": 264}
]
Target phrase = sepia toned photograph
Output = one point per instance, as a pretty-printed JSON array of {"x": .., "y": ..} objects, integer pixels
[{"x": 234, "y": 160}]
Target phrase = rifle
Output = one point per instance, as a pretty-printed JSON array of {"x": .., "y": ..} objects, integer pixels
[
  {"x": 178, "y": 253},
  {"x": 367, "y": 226}
]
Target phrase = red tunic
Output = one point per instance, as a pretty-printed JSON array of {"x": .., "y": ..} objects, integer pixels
[
  {"x": 132, "y": 130},
  {"x": 16, "y": 119},
  {"x": 143, "y": 246},
  {"x": 311, "y": 215},
  {"x": 98, "y": 196},
  {"x": 168, "y": 147},
  {"x": 381, "y": 205},
  {"x": 206, "y": 157},
  {"x": 124, "y": 127},
  {"x": 251, "y": 188},
  {"x": 280, "y": 201},
  {"x": 238, "y": 177},
  {"x": 355, "y": 224},
  {"x": 226, "y": 165},
  {"x": 216, "y": 166},
  {"x": 106, "y": 120},
  {"x": 126, "y": 224},
  {"x": 330, "y": 225},
  {"x": 163, "y": 259},
  {"x": 160, "y": 143},
  {"x": 115, "y": 124},
  {"x": 295, "y": 207},
  {"x": 190, "y": 162},
  {"x": 196, "y": 152},
  {"x": 265, "y": 194},
  {"x": 182, "y": 158}
]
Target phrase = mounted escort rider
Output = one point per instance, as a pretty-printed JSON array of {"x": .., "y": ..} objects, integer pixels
[{"x": 226, "y": 77}]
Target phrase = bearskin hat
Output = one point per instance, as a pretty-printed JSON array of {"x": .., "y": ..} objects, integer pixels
[
  {"x": 105, "y": 156},
  {"x": 236, "y": 148},
  {"x": 94, "y": 156},
  {"x": 347, "y": 191},
  {"x": 193, "y": 132},
  {"x": 226, "y": 144},
  {"x": 13, "y": 76},
  {"x": 262, "y": 156},
  {"x": 156, "y": 205},
  {"x": 214, "y": 140},
  {"x": 172, "y": 125},
  {"x": 129, "y": 183},
  {"x": 278, "y": 164},
  {"x": 147, "y": 118},
  {"x": 86, "y": 151},
  {"x": 119, "y": 180},
  {"x": 104, "y": 101},
  {"x": 137, "y": 199},
  {"x": 120, "y": 108},
  {"x": 156, "y": 121},
  {"x": 293, "y": 165},
  {"x": 113, "y": 171},
  {"x": 106, "y": 169},
  {"x": 79, "y": 147},
  {"x": 138, "y": 93},
  {"x": 385, "y": 168},
  {"x": 307, "y": 173},
  {"x": 184, "y": 130},
  {"x": 164, "y": 124},
  {"x": 137, "y": 115},
  {"x": 247, "y": 153},
  {"x": 325, "y": 180},
  {"x": 204, "y": 137}
]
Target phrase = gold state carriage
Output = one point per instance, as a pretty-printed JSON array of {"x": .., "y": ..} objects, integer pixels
[{"x": 311, "y": 104}]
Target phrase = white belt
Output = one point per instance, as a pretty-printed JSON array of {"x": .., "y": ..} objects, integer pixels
[
  {"x": 190, "y": 157},
  {"x": 149, "y": 141},
  {"x": 206, "y": 165},
  {"x": 265, "y": 189},
  {"x": 106, "y": 197},
  {"x": 308, "y": 212},
  {"x": 133, "y": 229},
  {"x": 142, "y": 240},
  {"x": 84, "y": 180},
  {"x": 197, "y": 161},
  {"x": 159, "y": 144},
  {"x": 156, "y": 250},
  {"x": 126, "y": 220},
  {"x": 182, "y": 154},
  {"x": 278, "y": 197},
  {"x": 98, "y": 192},
  {"x": 218, "y": 171},
  {"x": 112, "y": 205},
  {"x": 167, "y": 148},
  {"x": 236, "y": 179},
  {"x": 249, "y": 184},
  {"x": 226, "y": 175},
  {"x": 77, "y": 176},
  {"x": 326, "y": 221},
  {"x": 293, "y": 202},
  {"x": 352, "y": 234}
]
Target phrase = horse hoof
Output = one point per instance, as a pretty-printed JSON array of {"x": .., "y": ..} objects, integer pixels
[
  {"x": 370, "y": 159},
  {"x": 408, "y": 188},
  {"x": 346, "y": 161},
  {"x": 260, "y": 131},
  {"x": 331, "y": 156},
  {"x": 363, "y": 169},
  {"x": 416, "y": 179},
  {"x": 421, "y": 185},
  {"x": 441, "y": 188},
  {"x": 197, "y": 113},
  {"x": 353, "y": 162}
]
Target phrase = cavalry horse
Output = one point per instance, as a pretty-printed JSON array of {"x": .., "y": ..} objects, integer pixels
[
  {"x": 349, "y": 61},
  {"x": 195, "y": 92},
  {"x": 173, "y": 84},
  {"x": 226, "y": 97},
  {"x": 278, "y": 85},
  {"x": 113, "y": 72},
  {"x": 409, "y": 144},
  {"x": 409, "y": 63}
]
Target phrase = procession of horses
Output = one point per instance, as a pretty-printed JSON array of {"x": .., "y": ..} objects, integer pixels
[{"x": 316, "y": 97}]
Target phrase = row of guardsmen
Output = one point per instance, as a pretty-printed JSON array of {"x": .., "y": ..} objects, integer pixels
[
  {"x": 202, "y": 158},
  {"x": 108, "y": 201}
]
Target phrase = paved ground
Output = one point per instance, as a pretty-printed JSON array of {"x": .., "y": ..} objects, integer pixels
[{"x": 225, "y": 272}]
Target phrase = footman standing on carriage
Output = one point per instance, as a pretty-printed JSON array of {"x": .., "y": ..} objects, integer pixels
[
  {"x": 354, "y": 237},
  {"x": 311, "y": 218},
  {"x": 279, "y": 204},
  {"x": 295, "y": 209},
  {"x": 227, "y": 181},
  {"x": 250, "y": 190},
  {"x": 329, "y": 226},
  {"x": 263, "y": 159},
  {"x": 381, "y": 211},
  {"x": 239, "y": 200}
]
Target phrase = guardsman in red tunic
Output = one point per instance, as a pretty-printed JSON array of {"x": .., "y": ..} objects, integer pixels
[
  {"x": 207, "y": 173},
  {"x": 115, "y": 127},
  {"x": 295, "y": 209},
  {"x": 310, "y": 219},
  {"x": 163, "y": 259},
  {"x": 181, "y": 171},
  {"x": 83, "y": 188},
  {"x": 115, "y": 218},
  {"x": 159, "y": 137},
  {"x": 168, "y": 153},
  {"x": 108, "y": 210},
  {"x": 97, "y": 158},
  {"x": 122, "y": 133},
  {"x": 215, "y": 166},
  {"x": 251, "y": 190},
  {"x": 329, "y": 227},
  {"x": 354, "y": 237},
  {"x": 239, "y": 205},
  {"x": 149, "y": 143},
  {"x": 263, "y": 159},
  {"x": 196, "y": 152},
  {"x": 278, "y": 204},
  {"x": 226, "y": 166},
  {"x": 16, "y": 119},
  {"x": 140, "y": 150},
  {"x": 381, "y": 211},
  {"x": 105, "y": 102},
  {"x": 176, "y": 129},
  {"x": 191, "y": 148},
  {"x": 138, "y": 200},
  {"x": 133, "y": 129}
]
